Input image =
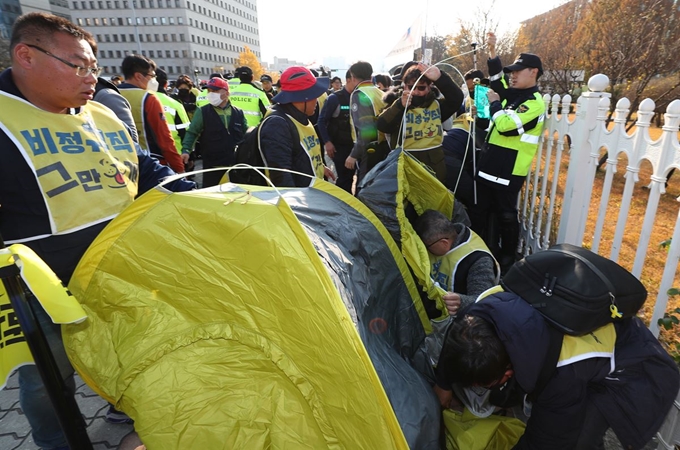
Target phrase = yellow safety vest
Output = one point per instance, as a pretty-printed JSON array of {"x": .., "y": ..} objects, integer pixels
[
  {"x": 137, "y": 97},
  {"x": 247, "y": 98},
  {"x": 310, "y": 142},
  {"x": 78, "y": 160},
  {"x": 423, "y": 128},
  {"x": 600, "y": 343},
  {"x": 375, "y": 96},
  {"x": 202, "y": 98},
  {"x": 172, "y": 108},
  {"x": 443, "y": 268}
]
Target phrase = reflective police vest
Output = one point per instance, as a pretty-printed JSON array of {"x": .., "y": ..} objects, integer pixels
[
  {"x": 78, "y": 160},
  {"x": 137, "y": 97},
  {"x": 423, "y": 128},
  {"x": 247, "y": 97},
  {"x": 512, "y": 144},
  {"x": 444, "y": 269},
  {"x": 202, "y": 98},
  {"x": 174, "y": 110}
]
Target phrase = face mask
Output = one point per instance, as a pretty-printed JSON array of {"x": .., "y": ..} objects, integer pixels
[
  {"x": 214, "y": 98},
  {"x": 183, "y": 91},
  {"x": 152, "y": 86}
]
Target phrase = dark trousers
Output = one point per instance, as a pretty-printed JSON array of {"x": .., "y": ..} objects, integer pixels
[
  {"x": 345, "y": 175},
  {"x": 494, "y": 218}
]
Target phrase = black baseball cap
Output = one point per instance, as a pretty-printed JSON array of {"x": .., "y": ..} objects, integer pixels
[{"x": 524, "y": 61}]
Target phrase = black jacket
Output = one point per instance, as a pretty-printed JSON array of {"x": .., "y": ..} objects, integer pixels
[
  {"x": 634, "y": 398},
  {"x": 280, "y": 145}
]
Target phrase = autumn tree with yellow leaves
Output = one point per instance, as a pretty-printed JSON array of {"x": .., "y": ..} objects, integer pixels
[{"x": 249, "y": 59}]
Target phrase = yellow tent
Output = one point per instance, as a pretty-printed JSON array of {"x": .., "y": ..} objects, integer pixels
[{"x": 271, "y": 319}]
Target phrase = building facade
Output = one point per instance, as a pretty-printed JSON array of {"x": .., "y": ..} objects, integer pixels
[{"x": 193, "y": 37}]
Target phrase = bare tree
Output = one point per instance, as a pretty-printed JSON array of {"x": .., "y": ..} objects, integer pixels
[{"x": 474, "y": 32}]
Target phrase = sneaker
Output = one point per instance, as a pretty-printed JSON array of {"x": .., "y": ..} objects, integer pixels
[{"x": 116, "y": 417}]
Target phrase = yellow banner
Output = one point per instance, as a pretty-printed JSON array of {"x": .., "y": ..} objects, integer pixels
[{"x": 57, "y": 301}]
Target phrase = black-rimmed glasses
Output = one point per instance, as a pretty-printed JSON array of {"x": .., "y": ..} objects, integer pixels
[{"x": 80, "y": 70}]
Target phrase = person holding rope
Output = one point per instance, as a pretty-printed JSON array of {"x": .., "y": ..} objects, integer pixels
[{"x": 419, "y": 114}]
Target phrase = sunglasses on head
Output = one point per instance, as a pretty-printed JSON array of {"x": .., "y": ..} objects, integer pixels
[{"x": 420, "y": 88}]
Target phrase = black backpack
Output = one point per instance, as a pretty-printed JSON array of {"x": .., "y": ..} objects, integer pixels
[
  {"x": 576, "y": 290},
  {"x": 249, "y": 152}
]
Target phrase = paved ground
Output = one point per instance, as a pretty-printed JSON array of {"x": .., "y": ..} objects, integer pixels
[{"x": 15, "y": 432}]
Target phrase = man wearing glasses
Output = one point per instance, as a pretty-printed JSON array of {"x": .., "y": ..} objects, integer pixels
[
  {"x": 68, "y": 167},
  {"x": 423, "y": 111},
  {"x": 154, "y": 134}
]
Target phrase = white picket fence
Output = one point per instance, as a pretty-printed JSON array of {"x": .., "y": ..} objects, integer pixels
[{"x": 550, "y": 214}]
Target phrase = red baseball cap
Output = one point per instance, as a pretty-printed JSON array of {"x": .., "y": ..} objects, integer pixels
[
  {"x": 298, "y": 84},
  {"x": 217, "y": 83}
]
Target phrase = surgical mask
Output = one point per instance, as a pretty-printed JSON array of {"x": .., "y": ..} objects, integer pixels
[
  {"x": 214, "y": 98},
  {"x": 152, "y": 86}
]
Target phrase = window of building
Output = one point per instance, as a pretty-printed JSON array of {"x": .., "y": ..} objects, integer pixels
[
  {"x": 171, "y": 20},
  {"x": 150, "y": 3},
  {"x": 142, "y": 4},
  {"x": 195, "y": 55},
  {"x": 178, "y": 69},
  {"x": 123, "y": 38},
  {"x": 118, "y": 54},
  {"x": 116, "y": 4},
  {"x": 167, "y": 54},
  {"x": 115, "y": 38},
  {"x": 180, "y": 20},
  {"x": 75, "y": 5},
  {"x": 83, "y": 5},
  {"x": 80, "y": 21},
  {"x": 193, "y": 38},
  {"x": 165, "y": 37},
  {"x": 173, "y": 37},
  {"x": 185, "y": 53},
  {"x": 100, "y": 4},
  {"x": 156, "y": 38},
  {"x": 148, "y": 38},
  {"x": 105, "y": 21},
  {"x": 88, "y": 22},
  {"x": 177, "y": 55},
  {"x": 151, "y": 54},
  {"x": 181, "y": 37},
  {"x": 132, "y": 37},
  {"x": 129, "y": 21},
  {"x": 154, "y": 20},
  {"x": 164, "y": 21},
  {"x": 177, "y": 4},
  {"x": 146, "y": 20},
  {"x": 108, "y": 4},
  {"x": 141, "y": 38}
]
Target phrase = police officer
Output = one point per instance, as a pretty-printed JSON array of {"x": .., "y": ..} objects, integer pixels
[
  {"x": 267, "y": 86},
  {"x": 249, "y": 98},
  {"x": 517, "y": 113}
]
